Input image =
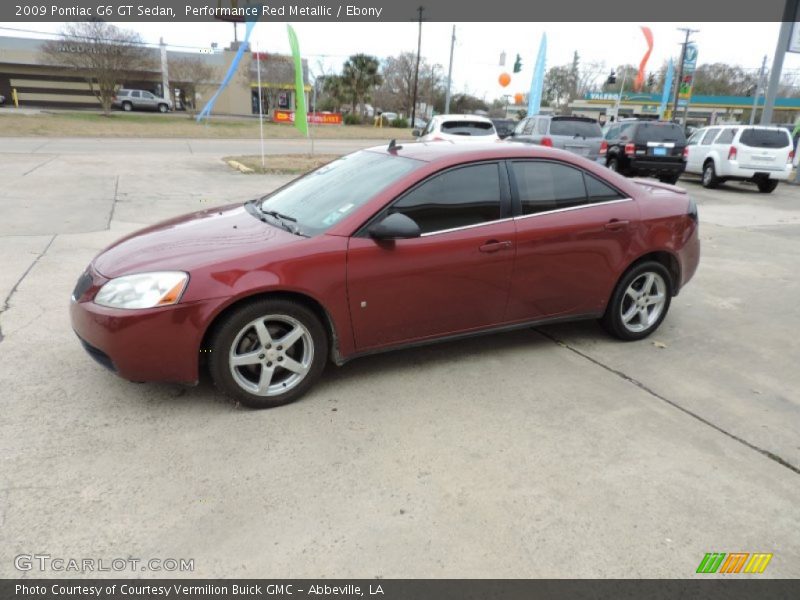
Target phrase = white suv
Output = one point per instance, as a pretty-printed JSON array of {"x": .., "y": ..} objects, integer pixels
[
  {"x": 458, "y": 128},
  {"x": 754, "y": 153}
]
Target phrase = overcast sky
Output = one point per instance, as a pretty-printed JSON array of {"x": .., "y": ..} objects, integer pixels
[{"x": 478, "y": 45}]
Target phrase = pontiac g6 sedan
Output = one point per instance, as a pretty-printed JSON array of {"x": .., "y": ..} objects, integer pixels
[{"x": 387, "y": 247}]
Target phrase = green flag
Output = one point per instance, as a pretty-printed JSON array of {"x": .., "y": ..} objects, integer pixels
[{"x": 300, "y": 116}]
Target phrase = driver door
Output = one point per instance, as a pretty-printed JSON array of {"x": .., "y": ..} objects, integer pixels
[{"x": 452, "y": 279}]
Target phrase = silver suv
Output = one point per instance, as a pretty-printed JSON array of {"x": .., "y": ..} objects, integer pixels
[
  {"x": 129, "y": 100},
  {"x": 580, "y": 135}
]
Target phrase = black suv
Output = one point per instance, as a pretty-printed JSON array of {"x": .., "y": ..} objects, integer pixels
[{"x": 645, "y": 147}]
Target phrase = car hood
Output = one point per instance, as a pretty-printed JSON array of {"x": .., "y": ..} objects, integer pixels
[{"x": 191, "y": 241}]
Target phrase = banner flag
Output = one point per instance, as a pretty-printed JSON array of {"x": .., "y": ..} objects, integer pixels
[
  {"x": 300, "y": 116},
  {"x": 667, "y": 89},
  {"x": 537, "y": 83},
  {"x": 639, "y": 81}
]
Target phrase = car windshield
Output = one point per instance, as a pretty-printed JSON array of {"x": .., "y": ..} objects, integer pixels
[
  {"x": 765, "y": 138},
  {"x": 660, "y": 132},
  {"x": 573, "y": 127},
  {"x": 315, "y": 202},
  {"x": 467, "y": 128}
]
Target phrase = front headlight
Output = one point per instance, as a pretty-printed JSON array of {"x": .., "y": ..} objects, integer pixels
[{"x": 143, "y": 290}]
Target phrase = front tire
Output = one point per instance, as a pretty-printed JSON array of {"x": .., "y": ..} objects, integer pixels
[
  {"x": 268, "y": 353},
  {"x": 767, "y": 186},
  {"x": 639, "y": 302},
  {"x": 162, "y": 108}
]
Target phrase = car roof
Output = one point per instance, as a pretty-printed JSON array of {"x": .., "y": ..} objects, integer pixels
[
  {"x": 463, "y": 118},
  {"x": 447, "y": 152}
]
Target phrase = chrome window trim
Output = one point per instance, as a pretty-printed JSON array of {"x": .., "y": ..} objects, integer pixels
[
  {"x": 520, "y": 217},
  {"x": 473, "y": 226},
  {"x": 579, "y": 206}
]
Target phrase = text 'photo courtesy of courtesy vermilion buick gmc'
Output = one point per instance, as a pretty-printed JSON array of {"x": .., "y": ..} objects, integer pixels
[{"x": 384, "y": 248}]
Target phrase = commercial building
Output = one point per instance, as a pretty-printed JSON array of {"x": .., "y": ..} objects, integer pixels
[{"x": 39, "y": 81}]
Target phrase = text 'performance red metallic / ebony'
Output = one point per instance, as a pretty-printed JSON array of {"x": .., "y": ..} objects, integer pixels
[{"x": 380, "y": 249}]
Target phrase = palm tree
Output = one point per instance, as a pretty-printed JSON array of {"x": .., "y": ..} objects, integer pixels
[{"x": 360, "y": 75}]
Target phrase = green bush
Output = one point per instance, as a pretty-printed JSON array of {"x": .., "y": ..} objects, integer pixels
[
  {"x": 352, "y": 120},
  {"x": 402, "y": 123}
]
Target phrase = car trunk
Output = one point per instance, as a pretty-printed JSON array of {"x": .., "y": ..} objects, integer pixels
[
  {"x": 659, "y": 141},
  {"x": 763, "y": 149},
  {"x": 579, "y": 136}
]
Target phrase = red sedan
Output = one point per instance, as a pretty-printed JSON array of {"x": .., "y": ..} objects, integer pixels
[{"x": 384, "y": 248}]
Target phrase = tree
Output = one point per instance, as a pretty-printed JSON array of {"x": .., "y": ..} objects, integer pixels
[
  {"x": 466, "y": 103},
  {"x": 558, "y": 85},
  {"x": 186, "y": 73},
  {"x": 396, "y": 93},
  {"x": 104, "y": 54},
  {"x": 360, "y": 76},
  {"x": 334, "y": 92}
]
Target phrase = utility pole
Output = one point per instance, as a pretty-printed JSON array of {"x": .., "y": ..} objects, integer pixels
[
  {"x": 621, "y": 89},
  {"x": 685, "y": 43},
  {"x": 757, "y": 93},
  {"x": 450, "y": 73},
  {"x": 777, "y": 66},
  {"x": 416, "y": 69},
  {"x": 165, "y": 93}
]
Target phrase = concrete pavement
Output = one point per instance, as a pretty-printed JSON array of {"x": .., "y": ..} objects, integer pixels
[{"x": 541, "y": 453}]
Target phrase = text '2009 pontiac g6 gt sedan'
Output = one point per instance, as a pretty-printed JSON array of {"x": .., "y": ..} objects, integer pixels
[{"x": 387, "y": 247}]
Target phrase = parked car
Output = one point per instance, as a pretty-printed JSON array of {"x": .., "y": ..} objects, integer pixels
[
  {"x": 645, "y": 147},
  {"x": 384, "y": 248},
  {"x": 129, "y": 100},
  {"x": 580, "y": 135},
  {"x": 754, "y": 153},
  {"x": 504, "y": 127},
  {"x": 457, "y": 128}
]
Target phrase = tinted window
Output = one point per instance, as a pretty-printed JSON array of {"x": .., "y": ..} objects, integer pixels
[
  {"x": 726, "y": 137},
  {"x": 599, "y": 191},
  {"x": 573, "y": 127},
  {"x": 696, "y": 137},
  {"x": 467, "y": 128},
  {"x": 709, "y": 137},
  {"x": 464, "y": 196},
  {"x": 541, "y": 126},
  {"x": 135, "y": 94},
  {"x": 659, "y": 132},
  {"x": 612, "y": 132},
  {"x": 520, "y": 128},
  {"x": 765, "y": 138},
  {"x": 147, "y": 95},
  {"x": 625, "y": 131},
  {"x": 546, "y": 186}
]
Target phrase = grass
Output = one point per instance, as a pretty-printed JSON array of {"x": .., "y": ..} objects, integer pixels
[
  {"x": 180, "y": 125},
  {"x": 284, "y": 164}
]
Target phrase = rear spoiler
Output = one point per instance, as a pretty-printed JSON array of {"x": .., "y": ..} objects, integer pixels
[{"x": 657, "y": 185}]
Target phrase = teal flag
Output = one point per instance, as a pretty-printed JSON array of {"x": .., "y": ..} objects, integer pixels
[
  {"x": 300, "y": 114},
  {"x": 537, "y": 83}
]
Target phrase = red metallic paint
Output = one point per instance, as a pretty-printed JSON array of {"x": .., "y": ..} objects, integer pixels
[{"x": 548, "y": 266}]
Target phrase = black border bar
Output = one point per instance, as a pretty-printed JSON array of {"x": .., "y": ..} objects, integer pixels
[
  {"x": 405, "y": 10},
  {"x": 731, "y": 587}
]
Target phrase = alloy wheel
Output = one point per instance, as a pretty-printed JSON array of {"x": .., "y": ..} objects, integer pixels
[{"x": 643, "y": 302}]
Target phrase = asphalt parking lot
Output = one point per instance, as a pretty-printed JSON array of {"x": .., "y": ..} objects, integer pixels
[{"x": 553, "y": 452}]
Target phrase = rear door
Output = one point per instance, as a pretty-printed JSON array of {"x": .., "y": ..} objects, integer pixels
[
  {"x": 136, "y": 99},
  {"x": 452, "y": 279},
  {"x": 579, "y": 136},
  {"x": 763, "y": 149},
  {"x": 574, "y": 234}
]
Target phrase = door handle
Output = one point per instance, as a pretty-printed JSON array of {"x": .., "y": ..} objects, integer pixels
[
  {"x": 494, "y": 246},
  {"x": 616, "y": 225}
]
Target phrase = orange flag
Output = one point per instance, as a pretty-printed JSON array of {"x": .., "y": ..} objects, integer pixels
[{"x": 639, "y": 81}]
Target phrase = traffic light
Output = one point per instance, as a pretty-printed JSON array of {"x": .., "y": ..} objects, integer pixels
[
  {"x": 651, "y": 80},
  {"x": 612, "y": 78},
  {"x": 518, "y": 64}
]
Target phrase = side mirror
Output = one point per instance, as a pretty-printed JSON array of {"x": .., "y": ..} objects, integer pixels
[
  {"x": 395, "y": 226},
  {"x": 416, "y": 133}
]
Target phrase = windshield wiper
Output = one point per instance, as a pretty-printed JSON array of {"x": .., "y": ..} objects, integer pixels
[{"x": 285, "y": 221}]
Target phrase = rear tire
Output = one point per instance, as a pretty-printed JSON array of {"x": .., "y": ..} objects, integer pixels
[
  {"x": 767, "y": 186},
  {"x": 162, "y": 108},
  {"x": 613, "y": 164},
  {"x": 268, "y": 352},
  {"x": 710, "y": 179},
  {"x": 671, "y": 179},
  {"x": 639, "y": 302},
  {"x": 127, "y": 106}
]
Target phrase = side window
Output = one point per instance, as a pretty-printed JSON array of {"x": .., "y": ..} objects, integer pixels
[
  {"x": 727, "y": 135},
  {"x": 134, "y": 94},
  {"x": 544, "y": 186},
  {"x": 429, "y": 127},
  {"x": 695, "y": 137},
  {"x": 529, "y": 126},
  {"x": 599, "y": 191},
  {"x": 459, "y": 197},
  {"x": 148, "y": 95},
  {"x": 541, "y": 126},
  {"x": 626, "y": 131},
  {"x": 612, "y": 132},
  {"x": 520, "y": 128},
  {"x": 710, "y": 135}
]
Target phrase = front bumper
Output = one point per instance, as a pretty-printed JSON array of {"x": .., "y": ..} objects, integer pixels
[{"x": 156, "y": 344}]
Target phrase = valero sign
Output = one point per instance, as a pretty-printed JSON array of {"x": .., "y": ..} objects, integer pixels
[{"x": 287, "y": 116}]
